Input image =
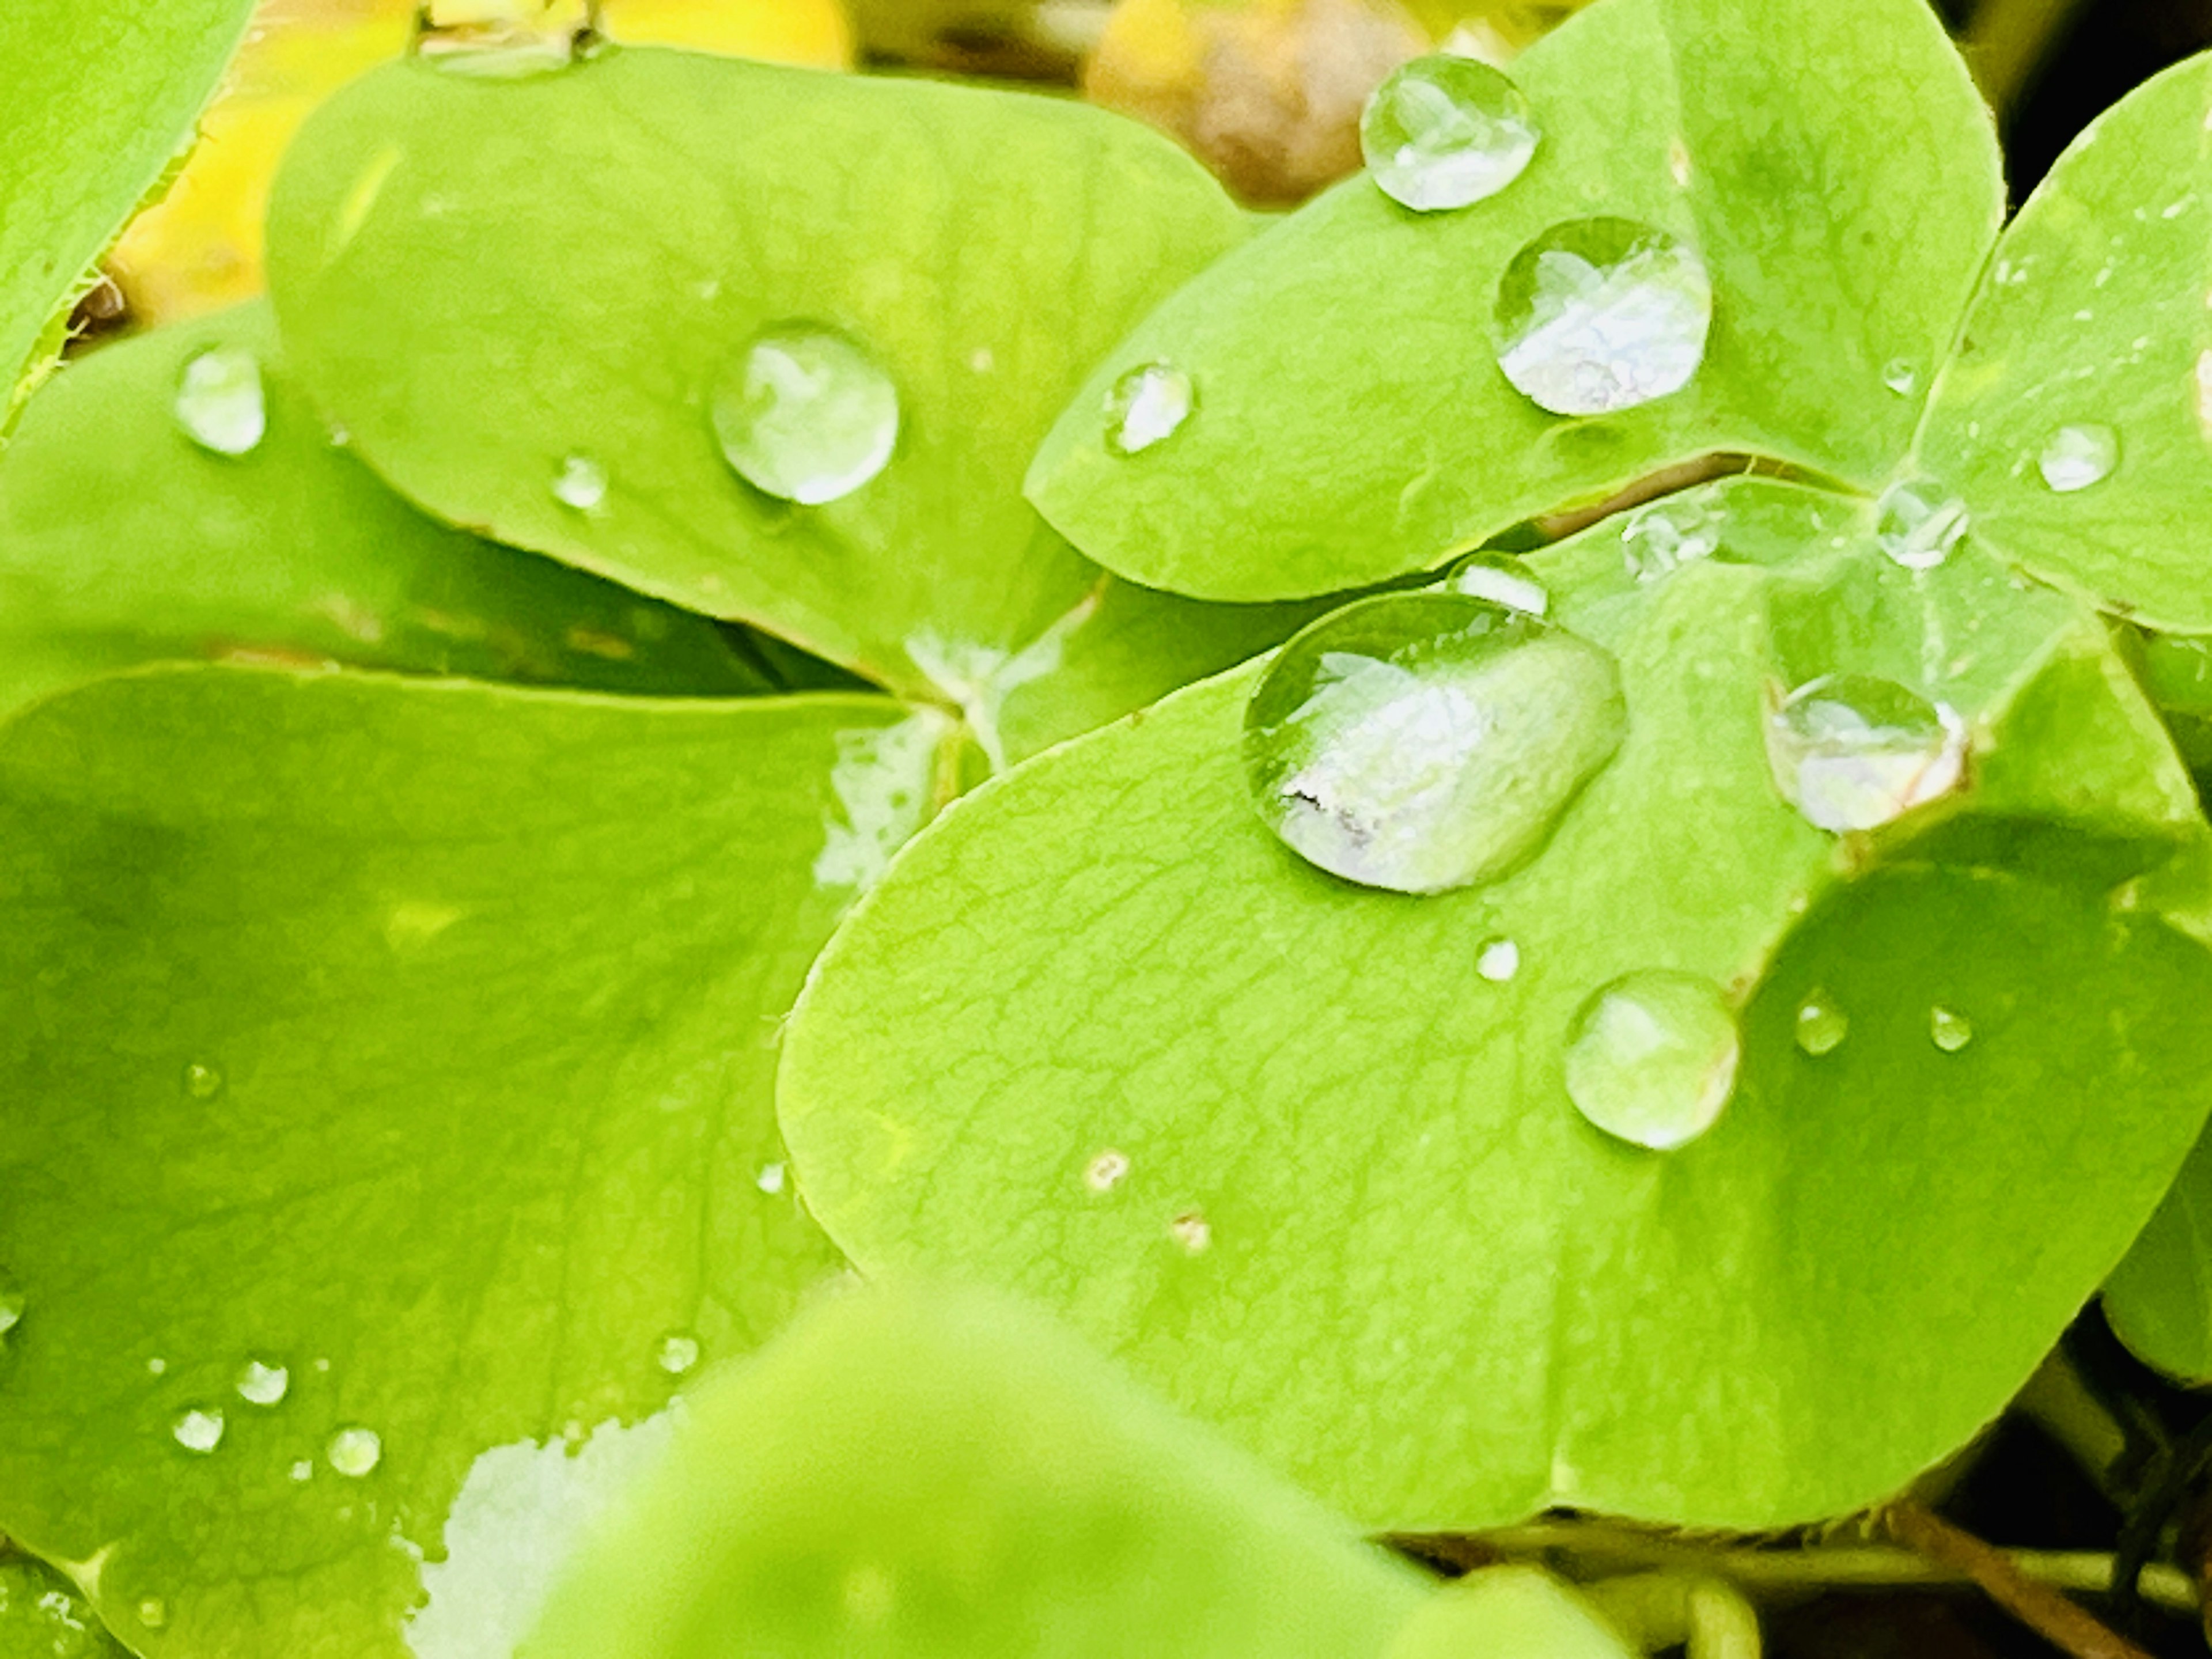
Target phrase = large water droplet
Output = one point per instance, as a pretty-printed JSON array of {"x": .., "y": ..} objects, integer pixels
[
  {"x": 1651, "y": 1058},
  {"x": 198, "y": 1429},
  {"x": 1669, "y": 534},
  {"x": 581, "y": 482},
  {"x": 678, "y": 1354},
  {"x": 1502, "y": 579},
  {"x": 220, "y": 402},
  {"x": 202, "y": 1081},
  {"x": 1424, "y": 741},
  {"x": 1852, "y": 752},
  {"x": 355, "y": 1451},
  {"x": 1498, "y": 960},
  {"x": 805, "y": 414},
  {"x": 1918, "y": 525},
  {"x": 1949, "y": 1029},
  {"x": 260, "y": 1383},
  {"x": 1148, "y": 405},
  {"x": 1822, "y": 1025},
  {"x": 2076, "y": 457},
  {"x": 1446, "y": 132},
  {"x": 505, "y": 40},
  {"x": 1597, "y": 315}
]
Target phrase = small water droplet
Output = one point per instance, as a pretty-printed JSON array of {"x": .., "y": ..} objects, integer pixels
[
  {"x": 680, "y": 1352},
  {"x": 1193, "y": 1231},
  {"x": 581, "y": 484},
  {"x": 1502, "y": 579},
  {"x": 355, "y": 1451},
  {"x": 805, "y": 415},
  {"x": 1597, "y": 315},
  {"x": 1148, "y": 405},
  {"x": 154, "y": 1613},
  {"x": 1106, "y": 1172},
  {"x": 771, "y": 1178},
  {"x": 1651, "y": 1058},
  {"x": 198, "y": 1429},
  {"x": 505, "y": 41},
  {"x": 260, "y": 1383},
  {"x": 1444, "y": 132},
  {"x": 12, "y": 1303},
  {"x": 1900, "y": 376},
  {"x": 1949, "y": 1028},
  {"x": 302, "y": 1470},
  {"x": 1918, "y": 525},
  {"x": 1822, "y": 1024},
  {"x": 2075, "y": 457},
  {"x": 220, "y": 402},
  {"x": 1498, "y": 960},
  {"x": 1850, "y": 751},
  {"x": 1420, "y": 742},
  {"x": 202, "y": 1081},
  {"x": 156, "y": 1365},
  {"x": 1667, "y": 535}
]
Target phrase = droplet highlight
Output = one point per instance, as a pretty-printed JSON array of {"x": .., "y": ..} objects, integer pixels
[
  {"x": 260, "y": 1383},
  {"x": 772, "y": 1178},
  {"x": 805, "y": 414},
  {"x": 580, "y": 484},
  {"x": 1949, "y": 1029},
  {"x": 354, "y": 1452},
  {"x": 1651, "y": 1058},
  {"x": 1917, "y": 525},
  {"x": 1420, "y": 742},
  {"x": 221, "y": 404},
  {"x": 1599, "y": 315},
  {"x": 1147, "y": 406},
  {"x": 678, "y": 1352},
  {"x": 1498, "y": 960},
  {"x": 1503, "y": 580},
  {"x": 2075, "y": 457},
  {"x": 12, "y": 1304},
  {"x": 1822, "y": 1025},
  {"x": 1853, "y": 752},
  {"x": 1445, "y": 132},
  {"x": 198, "y": 1429},
  {"x": 202, "y": 1081}
]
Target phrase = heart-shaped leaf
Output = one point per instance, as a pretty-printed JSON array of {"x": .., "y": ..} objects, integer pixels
[
  {"x": 388, "y": 1067},
  {"x": 123, "y": 542},
  {"x": 1833, "y": 168},
  {"x": 1301, "y": 1151}
]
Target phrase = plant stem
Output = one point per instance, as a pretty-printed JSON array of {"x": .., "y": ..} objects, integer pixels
[{"x": 2035, "y": 1604}]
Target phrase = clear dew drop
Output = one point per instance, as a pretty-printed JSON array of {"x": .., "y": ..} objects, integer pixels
[
  {"x": 678, "y": 1352},
  {"x": 1669, "y": 534},
  {"x": 771, "y": 1178},
  {"x": 805, "y": 414},
  {"x": 1651, "y": 1058},
  {"x": 202, "y": 1081},
  {"x": 1597, "y": 315},
  {"x": 302, "y": 1470},
  {"x": 1900, "y": 376},
  {"x": 1420, "y": 742},
  {"x": 1853, "y": 752},
  {"x": 1147, "y": 406},
  {"x": 1502, "y": 579},
  {"x": 199, "y": 1429},
  {"x": 1445, "y": 132},
  {"x": 1498, "y": 960},
  {"x": 1193, "y": 1231},
  {"x": 220, "y": 402},
  {"x": 1949, "y": 1029},
  {"x": 1106, "y": 1172},
  {"x": 1822, "y": 1025},
  {"x": 153, "y": 1612},
  {"x": 354, "y": 1452},
  {"x": 1918, "y": 525},
  {"x": 2076, "y": 456},
  {"x": 581, "y": 482},
  {"x": 260, "y": 1383}
]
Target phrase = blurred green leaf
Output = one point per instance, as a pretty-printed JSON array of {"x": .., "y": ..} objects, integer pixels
[
  {"x": 1509, "y": 1612},
  {"x": 414, "y": 1038},
  {"x": 42, "y": 1616}
]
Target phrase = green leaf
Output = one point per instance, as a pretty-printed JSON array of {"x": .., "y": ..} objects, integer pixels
[
  {"x": 101, "y": 99},
  {"x": 909, "y": 1474},
  {"x": 481, "y": 280},
  {"x": 1832, "y": 164},
  {"x": 416, "y": 1037},
  {"x": 122, "y": 543},
  {"x": 43, "y": 1617},
  {"x": 2160, "y": 1299},
  {"x": 2097, "y": 314},
  {"x": 1105, "y": 950}
]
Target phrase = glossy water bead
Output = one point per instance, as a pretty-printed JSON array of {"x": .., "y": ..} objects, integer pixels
[
  {"x": 1598, "y": 315},
  {"x": 1651, "y": 1058},
  {"x": 1445, "y": 131},
  {"x": 1852, "y": 752},
  {"x": 1425, "y": 741},
  {"x": 805, "y": 414}
]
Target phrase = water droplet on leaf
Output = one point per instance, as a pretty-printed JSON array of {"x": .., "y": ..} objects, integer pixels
[
  {"x": 1498, "y": 960},
  {"x": 1900, "y": 376},
  {"x": 1106, "y": 1172},
  {"x": 198, "y": 1429},
  {"x": 1597, "y": 315},
  {"x": 12, "y": 1303},
  {"x": 1193, "y": 1231},
  {"x": 1148, "y": 405},
  {"x": 1651, "y": 1058},
  {"x": 355, "y": 1451},
  {"x": 680, "y": 1352},
  {"x": 1424, "y": 741},
  {"x": 1850, "y": 751},
  {"x": 202, "y": 1081},
  {"x": 1918, "y": 525},
  {"x": 1502, "y": 579},
  {"x": 1949, "y": 1028},
  {"x": 771, "y": 1178},
  {"x": 1822, "y": 1025},
  {"x": 581, "y": 484},
  {"x": 153, "y": 1612},
  {"x": 805, "y": 414},
  {"x": 220, "y": 403},
  {"x": 1668, "y": 535},
  {"x": 1444, "y": 132},
  {"x": 2075, "y": 457},
  {"x": 260, "y": 1383}
]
